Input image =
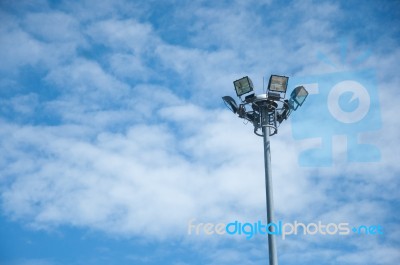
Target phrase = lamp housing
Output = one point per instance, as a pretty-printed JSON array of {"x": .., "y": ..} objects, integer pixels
[
  {"x": 278, "y": 83},
  {"x": 298, "y": 96},
  {"x": 230, "y": 103},
  {"x": 243, "y": 86}
]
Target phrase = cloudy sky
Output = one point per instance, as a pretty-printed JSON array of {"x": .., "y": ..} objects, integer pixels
[{"x": 113, "y": 134}]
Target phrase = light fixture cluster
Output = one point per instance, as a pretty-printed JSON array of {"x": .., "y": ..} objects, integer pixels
[{"x": 277, "y": 107}]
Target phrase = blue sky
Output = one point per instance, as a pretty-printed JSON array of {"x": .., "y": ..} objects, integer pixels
[{"x": 113, "y": 135}]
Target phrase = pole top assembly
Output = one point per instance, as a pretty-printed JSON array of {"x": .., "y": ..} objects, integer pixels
[{"x": 277, "y": 107}]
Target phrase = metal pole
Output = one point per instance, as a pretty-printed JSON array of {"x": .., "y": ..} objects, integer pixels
[{"x": 273, "y": 260}]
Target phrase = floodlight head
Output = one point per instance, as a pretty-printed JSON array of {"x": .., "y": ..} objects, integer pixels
[
  {"x": 278, "y": 83},
  {"x": 299, "y": 95},
  {"x": 230, "y": 103},
  {"x": 243, "y": 86}
]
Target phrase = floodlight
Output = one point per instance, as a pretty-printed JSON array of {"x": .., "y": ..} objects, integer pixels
[
  {"x": 278, "y": 83},
  {"x": 243, "y": 86},
  {"x": 230, "y": 103},
  {"x": 298, "y": 95}
]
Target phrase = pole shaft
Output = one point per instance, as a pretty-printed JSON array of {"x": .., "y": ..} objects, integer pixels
[{"x": 273, "y": 260}]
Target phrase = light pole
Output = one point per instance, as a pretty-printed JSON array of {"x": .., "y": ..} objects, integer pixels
[{"x": 267, "y": 112}]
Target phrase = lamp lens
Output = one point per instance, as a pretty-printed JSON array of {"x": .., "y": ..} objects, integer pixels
[
  {"x": 278, "y": 83},
  {"x": 301, "y": 95},
  {"x": 243, "y": 86}
]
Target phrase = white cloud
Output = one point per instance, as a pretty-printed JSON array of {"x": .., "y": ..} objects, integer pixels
[
  {"x": 53, "y": 27},
  {"x": 17, "y": 48},
  {"x": 129, "y": 67}
]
